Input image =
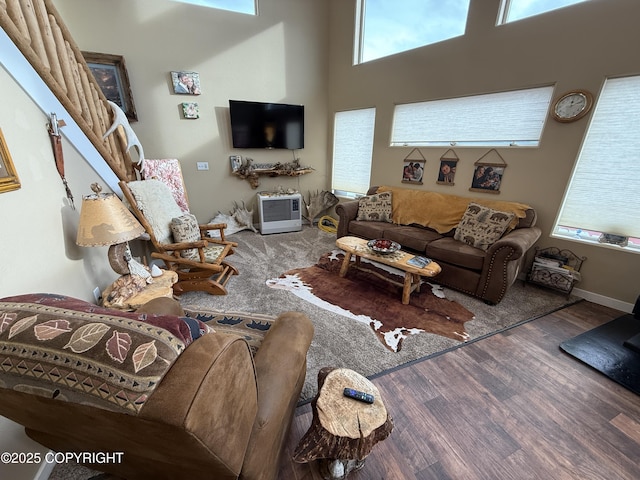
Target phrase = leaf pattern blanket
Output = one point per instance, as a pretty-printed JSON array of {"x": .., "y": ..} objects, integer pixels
[{"x": 68, "y": 349}]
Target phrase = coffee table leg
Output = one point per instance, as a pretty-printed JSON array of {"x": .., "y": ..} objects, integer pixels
[
  {"x": 345, "y": 264},
  {"x": 406, "y": 289}
]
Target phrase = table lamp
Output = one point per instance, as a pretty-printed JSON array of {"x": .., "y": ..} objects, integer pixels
[{"x": 104, "y": 220}]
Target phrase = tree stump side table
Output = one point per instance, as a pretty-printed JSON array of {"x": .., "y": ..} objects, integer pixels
[{"x": 343, "y": 430}]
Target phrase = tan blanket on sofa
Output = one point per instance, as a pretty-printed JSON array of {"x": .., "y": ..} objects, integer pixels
[{"x": 440, "y": 211}]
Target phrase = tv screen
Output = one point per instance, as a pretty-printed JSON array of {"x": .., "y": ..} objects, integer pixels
[{"x": 266, "y": 125}]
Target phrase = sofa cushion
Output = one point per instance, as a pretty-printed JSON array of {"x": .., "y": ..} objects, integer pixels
[
  {"x": 482, "y": 226},
  {"x": 369, "y": 229},
  {"x": 448, "y": 250},
  {"x": 185, "y": 228},
  {"x": 375, "y": 207},
  {"x": 413, "y": 237}
]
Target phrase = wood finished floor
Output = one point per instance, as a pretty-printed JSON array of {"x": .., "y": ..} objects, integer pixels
[{"x": 511, "y": 406}]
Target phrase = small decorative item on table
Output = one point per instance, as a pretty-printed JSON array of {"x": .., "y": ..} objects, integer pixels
[
  {"x": 383, "y": 246},
  {"x": 343, "y": 430}
]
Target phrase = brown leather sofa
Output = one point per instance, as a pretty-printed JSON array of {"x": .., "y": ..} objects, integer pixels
[
  {"x": 205, "y": 409},
  {"x": 483, "y": 274}
]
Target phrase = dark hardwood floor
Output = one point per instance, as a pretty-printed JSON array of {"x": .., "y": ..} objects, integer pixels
[{"x": 511, "y": 406}]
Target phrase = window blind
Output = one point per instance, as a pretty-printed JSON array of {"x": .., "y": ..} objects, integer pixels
[
  {"x": 352, "y": 150},
  {"x": 604, "y": 191},
  {"x": 493, "y": 119}
]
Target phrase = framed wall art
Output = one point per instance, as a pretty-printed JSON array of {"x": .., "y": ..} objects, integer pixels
[
  {"x": 448, "y": 165},
  {"x": 110, "y": 72},
  {"x": 190, "y": 110},
  {"x": 488, "y": 172},
  {"x": 186, "y": 83},
  {"x": 8, "y": 177},
  {"x": 413, "y": 168}
]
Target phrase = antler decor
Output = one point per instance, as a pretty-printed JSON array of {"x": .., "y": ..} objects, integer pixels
[{"x": 318, "y": 203}]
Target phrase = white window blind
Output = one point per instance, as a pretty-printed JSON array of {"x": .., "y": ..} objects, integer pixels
[
  {"x": 352, "y": 150},
  {"x": 603, "y": 194},
  {"x": 513, "y": 118}
]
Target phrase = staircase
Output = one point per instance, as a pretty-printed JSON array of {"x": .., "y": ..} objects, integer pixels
[{"x": 38, "y": 31}]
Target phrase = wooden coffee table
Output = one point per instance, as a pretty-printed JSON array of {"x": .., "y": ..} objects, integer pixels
[{"x": 354, "y": 246}]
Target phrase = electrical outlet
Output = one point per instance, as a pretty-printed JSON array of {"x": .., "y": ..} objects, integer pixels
[
  {"x": 97, "y": 294},
  {"x": 203, "y": 165}
]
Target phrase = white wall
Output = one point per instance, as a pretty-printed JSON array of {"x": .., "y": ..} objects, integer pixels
[{"x": 278, "y": 56}]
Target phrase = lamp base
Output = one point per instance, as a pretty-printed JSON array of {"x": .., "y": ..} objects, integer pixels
[{"x": 118, "y": 255}]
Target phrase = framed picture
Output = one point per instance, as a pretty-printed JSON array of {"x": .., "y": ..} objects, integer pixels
[
  {"x": 412, "y": 171},
  {"x": 447, "y": 172},
  {"x": 110, "y": 72},
  {"x": 186, "y": 83},
  {"x": 236, "y": 162},
  {"x": 190, "y": 110},
  {"x": 8, "y": 177},
  {"x": 487, "y": 178}
]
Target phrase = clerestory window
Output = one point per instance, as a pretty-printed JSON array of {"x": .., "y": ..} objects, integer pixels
[
  {"x": 388, "y": 27},
  {"x": 240, "y": 6},
  {"x": 514, "y": 10}
]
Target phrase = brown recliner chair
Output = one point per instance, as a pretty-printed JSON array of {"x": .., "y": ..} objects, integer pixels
[{"x": 209, "y": 410}]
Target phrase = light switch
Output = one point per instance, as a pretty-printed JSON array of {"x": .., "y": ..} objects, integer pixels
[{"x": 203, "y": 165}]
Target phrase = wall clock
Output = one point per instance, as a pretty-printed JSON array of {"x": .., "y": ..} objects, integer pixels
[{"x": 572, "y": 106}]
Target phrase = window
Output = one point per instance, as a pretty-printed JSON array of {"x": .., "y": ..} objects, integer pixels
[
  {"x": 240, "y": 6},
  {"x": 387, "y": 27},
  {"x": 352, "y": 151},
  {"x": 604, "y": 190},
  {"x": 514, "y": 10},
  {"x": 512, "y": 118}
]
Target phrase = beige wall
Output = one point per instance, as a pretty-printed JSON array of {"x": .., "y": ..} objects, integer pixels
[
  {"x": 575, "y": 47},
  {"x": 278, "y": 56}
]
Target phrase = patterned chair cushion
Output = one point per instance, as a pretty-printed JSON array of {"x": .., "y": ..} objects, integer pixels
[
  {"x": 482, "y": 226},
  {"x": 375, "y": 208},
  {"x": 185, "y": 228}
]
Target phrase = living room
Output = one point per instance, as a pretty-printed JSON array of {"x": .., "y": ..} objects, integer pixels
[{"x": 301, "y": 52}]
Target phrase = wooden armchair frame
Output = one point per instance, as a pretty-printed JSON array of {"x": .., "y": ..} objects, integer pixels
[{"x": 193, "y": 275}]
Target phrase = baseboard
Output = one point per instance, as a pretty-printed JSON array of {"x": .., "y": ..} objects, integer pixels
[
  {"x": 595, "y": 298},
  {"x": 602, "y": 300}
]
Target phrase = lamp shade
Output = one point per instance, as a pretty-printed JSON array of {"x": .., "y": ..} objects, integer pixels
[{"x": 104, "y": 220}]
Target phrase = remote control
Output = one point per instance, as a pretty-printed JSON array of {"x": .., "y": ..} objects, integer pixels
[{"x": 357, "y": 395}]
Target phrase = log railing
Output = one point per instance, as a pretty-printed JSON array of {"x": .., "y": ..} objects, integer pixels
[{"x": 38, "y": 31}]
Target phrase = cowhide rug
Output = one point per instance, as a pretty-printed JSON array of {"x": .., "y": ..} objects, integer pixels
[{"x": 366, "y": 295}]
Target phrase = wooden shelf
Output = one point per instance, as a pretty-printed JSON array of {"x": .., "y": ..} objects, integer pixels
[{"x": 253, "y": 176}]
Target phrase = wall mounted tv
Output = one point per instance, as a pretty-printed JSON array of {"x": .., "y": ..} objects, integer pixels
[{"x": 266, "y": 125}]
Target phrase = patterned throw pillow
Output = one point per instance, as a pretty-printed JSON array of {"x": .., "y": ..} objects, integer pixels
[
  {"x": 186, "y": 229},
  {"x": 376, "y": 208},
  {"x": 481, "y": 226}
]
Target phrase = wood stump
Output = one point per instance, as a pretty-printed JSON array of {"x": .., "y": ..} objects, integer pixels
[{"x": 343, "y": 430}]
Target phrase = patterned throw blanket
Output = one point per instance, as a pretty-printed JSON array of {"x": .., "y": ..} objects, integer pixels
[
  {"x": 65, "y": 348},
  {"x": 440, "y": 211}
]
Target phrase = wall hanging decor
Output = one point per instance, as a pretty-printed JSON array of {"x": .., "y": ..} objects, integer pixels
[
  {"x": 186, "y": 83},
  {"x": 488, "y": 172},
  {"x": 412, "y": 168},
  {"x": 448, "y": 164},
  {"x": 8, "y": 176},
  {"x": 110, "y": 72},
  {"x": 190, "y": 110}
]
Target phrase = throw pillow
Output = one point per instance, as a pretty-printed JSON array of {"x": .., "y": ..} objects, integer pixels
[
  {"x": 482, "y": 226},
  {"x": 186, "y": 229},
  {"x": 376, "y": 208}
]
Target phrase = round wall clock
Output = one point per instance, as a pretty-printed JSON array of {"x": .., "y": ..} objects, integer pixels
[{"x": 572, "y": 106}]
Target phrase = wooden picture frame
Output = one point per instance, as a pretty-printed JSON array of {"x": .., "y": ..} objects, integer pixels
[
  {"x": 111, "y": 74},
  {"x": 8, "y": 177}
]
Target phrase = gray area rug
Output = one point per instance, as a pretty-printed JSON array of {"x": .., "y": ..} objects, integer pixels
[{"x": 340, "y": 341}]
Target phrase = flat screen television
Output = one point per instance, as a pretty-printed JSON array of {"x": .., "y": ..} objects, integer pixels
[{"x": 266, "y": 125}]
